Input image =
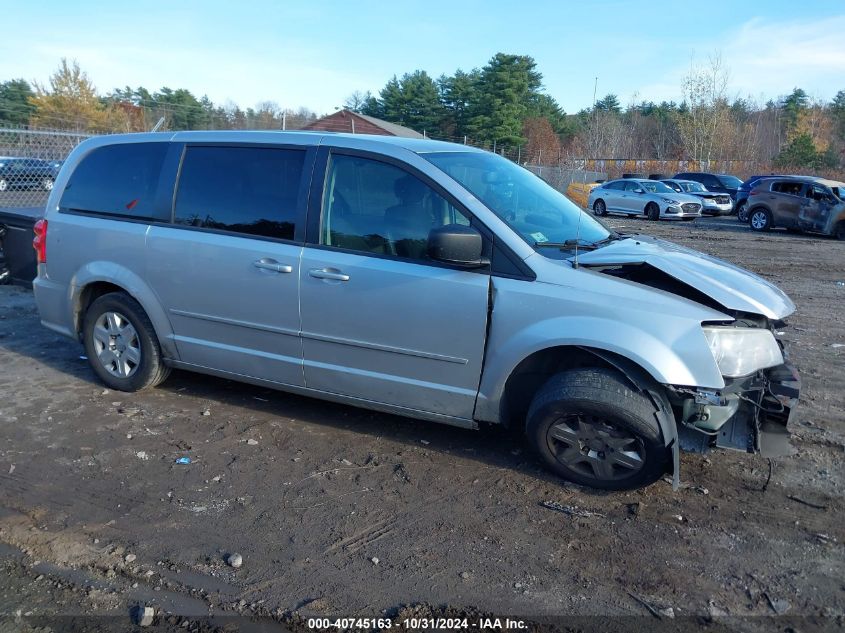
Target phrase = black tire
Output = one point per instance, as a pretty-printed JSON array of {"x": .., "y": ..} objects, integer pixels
[
  {"x": 598, "y": 401},
  {"x": 760, "y": 219},
  {"x": 599, "y": 207},
  {"x": 742, "y": 212},
  {"x": 839, "y": 231},
  {"x": 150, "y": 370},
  {"x": 652, "y": 211}
]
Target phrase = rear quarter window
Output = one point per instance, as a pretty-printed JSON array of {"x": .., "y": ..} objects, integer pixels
[
  {"x": 788, "y": 188},
  {"x": 117, "y": 180}
]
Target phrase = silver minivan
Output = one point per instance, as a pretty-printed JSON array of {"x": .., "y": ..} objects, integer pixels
[{"x": 411, "y": 276}]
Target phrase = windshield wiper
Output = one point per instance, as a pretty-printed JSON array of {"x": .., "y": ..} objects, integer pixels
[{"x": 577, "y": 242}]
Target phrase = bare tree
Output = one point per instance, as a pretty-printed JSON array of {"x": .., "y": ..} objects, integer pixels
[
  {"x": 357, "y": 100},
  {"x": 703, "y": 125}
]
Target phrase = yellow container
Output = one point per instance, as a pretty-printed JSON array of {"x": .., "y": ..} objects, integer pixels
[{"x": 578, "y": 192}]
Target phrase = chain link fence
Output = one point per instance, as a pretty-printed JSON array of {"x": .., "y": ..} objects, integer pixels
[
  {"x": 30, "y": 159},
  {"x": 29, "y": 163}
]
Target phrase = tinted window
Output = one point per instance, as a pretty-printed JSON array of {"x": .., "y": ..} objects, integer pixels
[
  {"x": 252, "y": 190},
  {"x": 787, "y": 187},
  {"x": 378, "y": 208},
  {"x": 117, "y": 179}
]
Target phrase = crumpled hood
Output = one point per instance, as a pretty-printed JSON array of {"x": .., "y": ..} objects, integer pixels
[{"x": 729, "y": 285}]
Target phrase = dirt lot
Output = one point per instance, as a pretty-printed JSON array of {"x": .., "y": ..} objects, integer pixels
[{"x": 342, "y": 512}]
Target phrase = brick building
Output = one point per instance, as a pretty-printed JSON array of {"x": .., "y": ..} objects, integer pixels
[{"x": 356, "y": 123}]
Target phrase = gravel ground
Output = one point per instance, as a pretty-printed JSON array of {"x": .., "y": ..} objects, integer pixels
[{"x": 338, "y": 511}]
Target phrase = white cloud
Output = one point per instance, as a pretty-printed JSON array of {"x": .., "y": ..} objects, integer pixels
[
  {"x": 767, "y": 59},
  {"x": 774, "y": 57}
]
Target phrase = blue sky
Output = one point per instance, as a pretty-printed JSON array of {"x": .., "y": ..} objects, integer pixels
[{"x": 314, "y": 54}]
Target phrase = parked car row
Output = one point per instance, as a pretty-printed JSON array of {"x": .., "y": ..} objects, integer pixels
[
  {"x": 27, "y": 173},
  {"x": 636, "y": 196},
  {"x": 685, "y": 196}
]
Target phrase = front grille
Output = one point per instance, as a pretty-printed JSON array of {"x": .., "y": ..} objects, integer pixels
[{"x": 690, "y": 207}]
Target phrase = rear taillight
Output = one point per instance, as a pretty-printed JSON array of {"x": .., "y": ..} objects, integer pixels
[{"x": 39, "y": 242}]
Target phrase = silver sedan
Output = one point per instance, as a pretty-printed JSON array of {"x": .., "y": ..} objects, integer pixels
[
  {"x": 715, "y": 203},
  {"x": 633, "y": 197}
]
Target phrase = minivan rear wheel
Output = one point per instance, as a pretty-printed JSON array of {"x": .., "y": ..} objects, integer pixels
[
  {"x": 591, "y": 427},
  {"x": 121, "y": 344}
]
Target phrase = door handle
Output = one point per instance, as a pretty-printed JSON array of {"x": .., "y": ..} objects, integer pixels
[
  {"x": 271, "y": 264},
  {"x": 328, "y": 273}
]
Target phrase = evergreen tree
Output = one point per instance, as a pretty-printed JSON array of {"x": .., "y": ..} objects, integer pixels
[
  {"x": 457, "y": 94},
  {"x": 15, "y": 104},
  {"x": 506, "y": 88}
]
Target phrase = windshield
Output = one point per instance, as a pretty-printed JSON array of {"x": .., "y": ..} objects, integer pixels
[
  {"x": 653, "y": 186},
  {"x": 732, "y": 182},
  {"x": 692, "y": 186},
  {"x": 534, "y": 209}
]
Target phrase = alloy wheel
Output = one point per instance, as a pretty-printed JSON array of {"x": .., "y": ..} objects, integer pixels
[
  {"x": 595, "y": 447},
  {"x": 759, "y": 220}
]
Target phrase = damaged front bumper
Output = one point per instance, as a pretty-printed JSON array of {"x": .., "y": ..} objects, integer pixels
[{"x": 750, "y": 414}]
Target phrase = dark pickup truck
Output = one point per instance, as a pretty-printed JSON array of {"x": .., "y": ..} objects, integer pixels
[{"x": 17, "y": 263}]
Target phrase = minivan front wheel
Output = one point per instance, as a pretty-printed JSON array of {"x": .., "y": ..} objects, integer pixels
[
  {"x": 591, "y": 427},
  {"x": 121, "y": 344}
]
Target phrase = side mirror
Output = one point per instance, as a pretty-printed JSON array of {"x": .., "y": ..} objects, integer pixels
[
  {"x": 458, "y": 245},
  {"x": 638, "y": 191}
]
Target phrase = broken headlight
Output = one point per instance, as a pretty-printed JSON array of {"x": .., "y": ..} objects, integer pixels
[{"x": 740, "y": 351}]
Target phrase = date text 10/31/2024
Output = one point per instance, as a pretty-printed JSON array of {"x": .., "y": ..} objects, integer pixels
[{"x": 418, "y": 624}]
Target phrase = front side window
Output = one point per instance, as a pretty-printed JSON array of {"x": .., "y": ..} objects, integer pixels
[
  {"x": 249, "y": 190},
  {"x": 374, "y": 207},
  {"x": 616, "y": 184},
  {"x": 632, "y": 186},
  {"x": 117, "y": 180}
]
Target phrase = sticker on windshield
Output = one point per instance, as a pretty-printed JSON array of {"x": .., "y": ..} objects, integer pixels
[{"x": 539, "y": 237}]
